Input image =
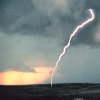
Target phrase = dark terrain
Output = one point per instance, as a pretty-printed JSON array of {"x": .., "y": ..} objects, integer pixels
[{"x": 69, "y": 91}]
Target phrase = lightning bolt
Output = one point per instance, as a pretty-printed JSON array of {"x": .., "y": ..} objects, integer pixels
[{"x": 91, "y": 12}]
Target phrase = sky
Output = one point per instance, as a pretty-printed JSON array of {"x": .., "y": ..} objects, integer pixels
[{"x": 33, "y": 34}]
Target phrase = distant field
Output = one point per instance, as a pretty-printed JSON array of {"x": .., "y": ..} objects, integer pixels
[{"x": 68, "y": 91}]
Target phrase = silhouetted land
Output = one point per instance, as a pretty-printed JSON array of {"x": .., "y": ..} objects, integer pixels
[{"x": 68, "y": 91}]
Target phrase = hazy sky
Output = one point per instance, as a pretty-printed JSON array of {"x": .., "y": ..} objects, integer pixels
[{"x": 34, "y": 32}]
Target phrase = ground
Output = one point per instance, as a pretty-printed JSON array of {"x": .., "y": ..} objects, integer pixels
[{"x": 68, "y": 91}]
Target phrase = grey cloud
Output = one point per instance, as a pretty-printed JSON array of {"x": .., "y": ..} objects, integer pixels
[
  {"x": 87, "y": 35},
  {"x": 18, "y": 68},
  {"x": 39, "y": 17},
  {"x": 19, "y": 51},
  {"x": 34, "y": 23},
  {"x": 12, "y": 10},
  {"x": 11, "y": 56},
  {"x": 49, "y": 19},
  {"x": 80, "y": 64}
]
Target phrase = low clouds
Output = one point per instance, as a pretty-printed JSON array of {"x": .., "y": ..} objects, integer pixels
[
  {"x": 80, "y": 65},
  {"x": 12, "y": 77}
]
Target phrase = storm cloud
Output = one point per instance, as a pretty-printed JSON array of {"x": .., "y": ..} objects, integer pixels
[
  {"x": 52, "y": 18},
  {"x": 33, "y": 33}
]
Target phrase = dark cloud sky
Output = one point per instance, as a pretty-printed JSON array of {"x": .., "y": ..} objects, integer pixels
[{"x": 34, "y": 30}]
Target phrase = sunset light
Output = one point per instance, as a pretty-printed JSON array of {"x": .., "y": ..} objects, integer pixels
[{"x": 13, "y": 77}]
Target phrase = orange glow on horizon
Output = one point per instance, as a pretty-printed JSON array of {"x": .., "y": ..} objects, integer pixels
[{"x": 13, "y": 77}]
